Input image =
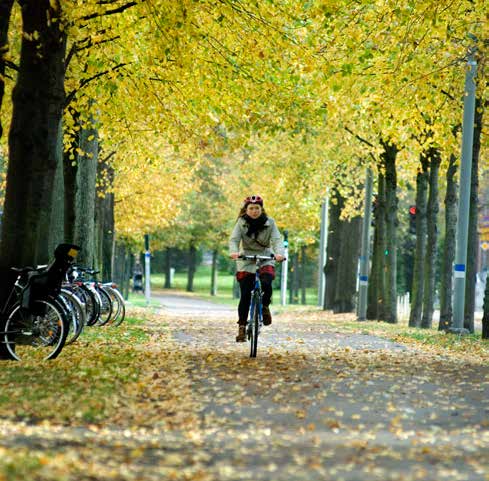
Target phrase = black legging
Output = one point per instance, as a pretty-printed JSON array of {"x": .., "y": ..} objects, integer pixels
[{"x": 246, "y": 286}]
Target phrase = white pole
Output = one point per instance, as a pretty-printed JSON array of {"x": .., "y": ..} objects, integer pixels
[
  {"x": 364, "y": 257},
  {"x": 147, "y": 270},
  {"x": 322, "y": 252},
  {"x": 147, "y": 289},
  {"x": 285, "y": 268}
]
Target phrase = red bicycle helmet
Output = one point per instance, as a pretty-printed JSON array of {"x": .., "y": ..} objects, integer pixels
[{"x": 253, "y": 199}]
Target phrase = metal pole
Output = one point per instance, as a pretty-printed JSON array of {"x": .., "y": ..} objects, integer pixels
[
  {"x": 364, "y": 255},
  {"x": 464, "y": 201},
  {"x": 322, "y": 252},
  {"x": 147, "y": 270},
  {"x": 285, "y": 268}
]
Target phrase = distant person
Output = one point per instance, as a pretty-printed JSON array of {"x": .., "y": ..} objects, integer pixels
[
  {"x": 254, "y": 234},
  {"x": 137, "y": 277}
]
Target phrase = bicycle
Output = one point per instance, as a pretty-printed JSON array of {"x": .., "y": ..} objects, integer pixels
[
  {"x": 34, "y": 320},
  {"x": 255, "y": 319}
]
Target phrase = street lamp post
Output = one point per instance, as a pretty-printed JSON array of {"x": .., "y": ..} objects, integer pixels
[{"x": 464, "y": 201}]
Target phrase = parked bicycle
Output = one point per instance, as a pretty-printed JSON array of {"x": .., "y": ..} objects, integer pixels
[
  {"x": 34, "y": 319},
  {"x": 105, "y": 303}
]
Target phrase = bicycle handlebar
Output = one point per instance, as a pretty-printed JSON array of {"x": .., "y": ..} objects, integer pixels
[{"x": 257, "y": 258}]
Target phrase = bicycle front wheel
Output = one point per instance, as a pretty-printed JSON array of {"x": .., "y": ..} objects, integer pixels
[
  {"x": 36, "y": 334},
  {"x": 255, "y": 325}
]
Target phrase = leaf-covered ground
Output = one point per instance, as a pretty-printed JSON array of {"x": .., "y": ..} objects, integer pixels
[{"x": 174, "y": 397}]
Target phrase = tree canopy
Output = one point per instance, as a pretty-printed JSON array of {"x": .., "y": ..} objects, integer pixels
[{"x": 286, "y": 97}]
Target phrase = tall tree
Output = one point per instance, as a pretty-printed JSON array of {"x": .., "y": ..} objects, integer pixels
[
  {"x": 377, "y": 280},
  {"x": 473, "y": 236},
  {"x": 389, "y": 161},
  {"x": 333, "y": 248},
  {"x": 419, "y": 256},
  {"x": 446, "y": 312},
  {"x": 38, "y": 100},
  {"x": 5, "y": 10},
  {"x": 191, "y": 266},
  {"x": 432, "y": 239},
  {"x": 345, "y": 288},
  {"x": 84, "y": 234},
  {"x": 105, "y": 217}
]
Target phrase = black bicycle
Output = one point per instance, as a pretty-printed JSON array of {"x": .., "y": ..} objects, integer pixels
[
  {"x": 35, "y": 322},
  {"x": 255, "y": 319}
]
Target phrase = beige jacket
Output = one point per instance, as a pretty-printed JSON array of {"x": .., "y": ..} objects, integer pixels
[{"x": 267, "y": 242}]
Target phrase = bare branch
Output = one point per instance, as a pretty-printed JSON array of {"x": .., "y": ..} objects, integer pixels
[{"x": 361, "y": 139}]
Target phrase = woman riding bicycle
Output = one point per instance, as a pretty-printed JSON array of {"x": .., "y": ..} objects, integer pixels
[{"x": 254, "y": 234}]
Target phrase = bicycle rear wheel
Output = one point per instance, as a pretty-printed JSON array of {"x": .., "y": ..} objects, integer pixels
[
  {"x": 118, "y": 306},
  {"x": 255, "y": 324},
  {"x": 77, "y": 315},
  {"x": 105, "y": 307},
  {"x": 36, "y": 334}
]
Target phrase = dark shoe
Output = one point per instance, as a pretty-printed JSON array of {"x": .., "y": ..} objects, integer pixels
[
  {"x": 267, "y": 317},
  {"x": 241, "y": 337}
]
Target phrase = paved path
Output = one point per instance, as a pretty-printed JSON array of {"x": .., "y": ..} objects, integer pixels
[
  {"x": 182, "y": 305},
  {"x": 320, "y": 402}
]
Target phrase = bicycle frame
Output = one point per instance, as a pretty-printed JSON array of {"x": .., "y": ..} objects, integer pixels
[
  {"x": 12, "y": 298},
  {"x": 256, "y": 288}
]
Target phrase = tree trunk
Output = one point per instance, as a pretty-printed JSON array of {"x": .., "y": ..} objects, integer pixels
[
  {"x": 108, "y": 237},
  {"x": 5, "y": 11},
  {"x": 38, "y": 100},
  {"x": 128, "y": 267},
  {"x": 303, "y": 275},
  {"x": 192, "y": 265},
  {"x": 417, "y": 289},
  {"x": 446, "y": 312},
  {"x": 294, "y": 279},
  {"x": 332, "y": 249},
  {"x": 432, "y": 240},
  {"x": 376, "y": 285},
  {"x": 105, "y": 199},
  {"x": 389, "y": 158},
  {"x": 52, "y": 222},
  {"x": 473, "y": 237},
  {"x": 214, "y": 273},
  {"x": 70, "y": 173},
  {"x": 86, "y": 196},
  {"x": 346, "y": 285},
  {"x": 167, "y": 268},
  {"x": 372, "y": 311},
  {"x": 119, "y": 263}
]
